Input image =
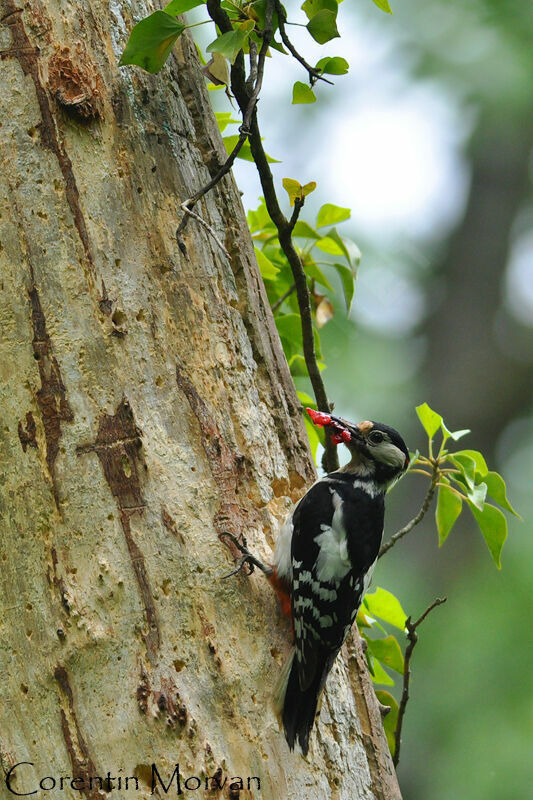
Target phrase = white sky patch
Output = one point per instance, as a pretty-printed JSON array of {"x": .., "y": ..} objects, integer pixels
[
  {"x": 388, "y": 301},
  {"x": 395, "y": 161}
]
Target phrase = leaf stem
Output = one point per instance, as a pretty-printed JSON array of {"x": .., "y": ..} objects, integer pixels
[{"x": 195, "y": 24}]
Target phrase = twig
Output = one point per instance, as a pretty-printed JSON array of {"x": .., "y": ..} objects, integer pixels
[
  {"x": 410, "y": 525},
  {"x": 298, "y": 205},
  {"x": 412, "y": 639},
  {"x": 206, "y": 225},
  {"x": 283, "y": 297},
  {"x": 314, "y": 74}
]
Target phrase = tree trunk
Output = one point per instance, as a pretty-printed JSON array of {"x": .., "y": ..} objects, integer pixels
[{"x": 146, "y": 408}]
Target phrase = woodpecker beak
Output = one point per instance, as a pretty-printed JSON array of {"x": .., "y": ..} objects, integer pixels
[{"x": 340, "y": 429}]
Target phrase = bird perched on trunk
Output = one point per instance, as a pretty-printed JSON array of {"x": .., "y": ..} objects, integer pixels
[{"x": 324, "y": 558}]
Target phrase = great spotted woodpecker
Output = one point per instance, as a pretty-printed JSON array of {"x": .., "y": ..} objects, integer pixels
[{"x": 323, "y": 562}]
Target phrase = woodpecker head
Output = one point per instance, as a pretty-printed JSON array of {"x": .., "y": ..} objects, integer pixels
[{"x": 375, "y": 447}]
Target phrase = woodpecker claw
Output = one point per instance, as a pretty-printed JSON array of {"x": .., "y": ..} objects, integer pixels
[
  {"x": 240, "y": 544},
  {"x": 247, "y": 557}
]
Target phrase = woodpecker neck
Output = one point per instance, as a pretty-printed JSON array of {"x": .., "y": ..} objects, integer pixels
[
  {"x": 382, "y": 476},
  {"x": 359, "y": 465}
]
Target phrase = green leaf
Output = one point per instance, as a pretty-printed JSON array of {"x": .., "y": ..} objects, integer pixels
[
  {"x": 330, "y": 215},
  {"x": 296, "y": 191},
  {"x": 386, "y": 606},
  {"x": 268, "y": 271},
  {"x": 306, "y": 400},
  {"x": 312, "y": 270},
  {"x": 467, "y": 466},
  {"x": 449, "y": 506},
  {"x": 497, "y": 490},
  {"x": 493, "y": 526},
  {"x": 304, "y": 231},
  {"x": 328, "y": 245},
  {"x": 151, "y": 41},
  {"x": 302, "y": 93},
  {"x": 258, "y": 8},
  {"x": 380, "y": 675},
  {"x": 333, "y": 66},
  {"x": 245, "y": 151},
  {"x": 455, "y": 435},
  {"x": 259, "y": 219},
  {"x": 224, "y": 119},
  {"x": 176, "y": 7},
  {"x": 290, "y": 331},
  {"x": 314, "y": 439},
  {"x": 307, "y": 188},
  {"x": 348, "y": 283},
  {"x": 348, "y": 248},
  {"x": 293, "y": 189},
  {"x": 323, "y": 26},
  {"x": 312, "y": 7},
  {"x": 298, "y": 367},
  {"x": 390, "y": 720},
  {"x": 431, "y": 421},
  {"x": 388, "y": 652},
  {"x": 229, "y": 44},
  {"x": 479, "y": 461},
  {"x": 384, "y": 5}
]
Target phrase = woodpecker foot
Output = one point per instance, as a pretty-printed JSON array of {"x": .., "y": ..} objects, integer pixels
[{"x": 247, "y": 557}]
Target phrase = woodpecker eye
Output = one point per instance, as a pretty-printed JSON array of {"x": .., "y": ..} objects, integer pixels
[{"x": 376, "y": 437}]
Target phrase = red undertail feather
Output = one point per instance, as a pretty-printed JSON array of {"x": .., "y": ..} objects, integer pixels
[{"x": 282, "y": 590}]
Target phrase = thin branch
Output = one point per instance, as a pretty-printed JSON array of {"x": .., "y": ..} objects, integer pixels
[
  {"x": 206, "y": 225},
  {"x": 314, "y": 74},
  {"x": 419, "y": 517},
  {"x": 298, "y": 205},
  {"x": 283, "y": 297},
  {"x": 412, "y": 638}
]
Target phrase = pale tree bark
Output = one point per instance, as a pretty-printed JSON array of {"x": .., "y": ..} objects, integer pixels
[{"x": 146, "y": 407}]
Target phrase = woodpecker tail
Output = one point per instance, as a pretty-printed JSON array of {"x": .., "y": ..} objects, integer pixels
[{"x": 295, "y": 708}]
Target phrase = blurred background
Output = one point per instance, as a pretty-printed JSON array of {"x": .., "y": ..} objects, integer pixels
[{"x": 429, "y": 140}]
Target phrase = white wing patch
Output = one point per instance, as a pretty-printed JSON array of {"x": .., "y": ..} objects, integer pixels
[{"x": 333, "y": 562}]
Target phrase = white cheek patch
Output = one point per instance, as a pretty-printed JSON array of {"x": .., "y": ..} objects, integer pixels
[{"x": 388, "y": 453}]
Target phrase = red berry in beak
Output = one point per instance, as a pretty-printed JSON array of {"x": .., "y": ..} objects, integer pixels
[{"x": 319, "y": 418}]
